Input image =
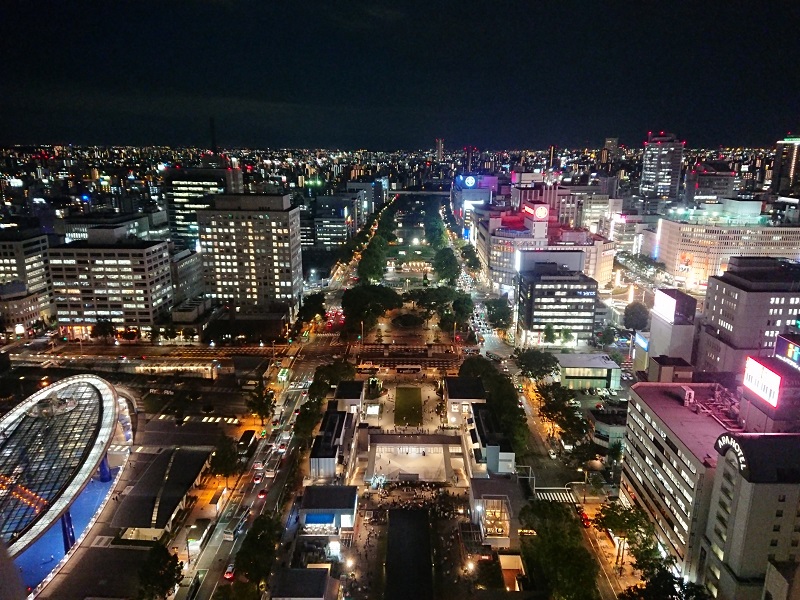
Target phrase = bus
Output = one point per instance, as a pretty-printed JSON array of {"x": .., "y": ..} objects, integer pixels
[
  {"x": 273, "y": 464},
  {"x": 246, "y": 442},
  {"x": 236, "y": 524},
  {"x": 367, "y": 368},
  {"x": 408, "y": 368}
]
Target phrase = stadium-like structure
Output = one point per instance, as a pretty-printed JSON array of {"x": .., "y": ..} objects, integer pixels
[{"x": 55, "y": 472}]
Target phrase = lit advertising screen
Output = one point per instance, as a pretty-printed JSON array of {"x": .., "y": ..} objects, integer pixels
[
  {"x": 787, "y": 351},
  {"x": 761, "y": 381},
  {"x": 664, "y": 306}
]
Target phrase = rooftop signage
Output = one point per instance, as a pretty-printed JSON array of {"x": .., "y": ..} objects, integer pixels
[
  {"x": 727, "y": 442},
  {"x": 788, "y": 352},
  {"x": 763, "y": 382}
]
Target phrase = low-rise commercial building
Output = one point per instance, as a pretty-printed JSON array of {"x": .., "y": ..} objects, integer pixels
[
  {"x": 459, "y": 394},
  {"x": 584, "y": 371}
]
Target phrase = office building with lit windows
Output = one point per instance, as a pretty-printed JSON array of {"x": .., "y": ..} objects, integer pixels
[
  {"x": 669, "y": 461},
  {"x": 108, "y": 277},
  {"x": 695, "y": 244},
  {"x": 745, "y": 310},
  {"x": 662, "y": 160},
  {"x": 188, "y": 190},
  {"x": 550, "y": 294},
  {"x": 26, "y": 294},
  {"x": 250, "y": 246},
  {"x": 786, "y": 170}
]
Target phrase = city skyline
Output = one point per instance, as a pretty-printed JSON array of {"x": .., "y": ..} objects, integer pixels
[{"x": 365, "y": 76}]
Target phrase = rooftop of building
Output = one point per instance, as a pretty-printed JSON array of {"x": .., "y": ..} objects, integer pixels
[
  {"x": 466, "y": 388},
  {"x": 104, "y": 218},
  {"x": 349, "y": 390},
  {"x": 16, "y": 234},
  {"x": 670, "y": 361},
  {"x": 129, "y": 243},
  {"x": 591, "y": 361},
  {"x": 333, "y": 422},
  {"x": 610, "y": 417},
  {"x": 761, "y": 274},
  {"x": 769, "y": 457},
  {"x": 698, "y": 429},
  {"x": 52, "y": 444},
  {"x": 329, "y": 497},
  {"x": 486, "y": 429},
  {"x": 158, "y": 493},
  {"x": 300, "y": 583}
]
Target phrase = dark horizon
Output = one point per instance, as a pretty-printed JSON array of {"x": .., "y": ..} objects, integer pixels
[{"x": 358, "y": 75}]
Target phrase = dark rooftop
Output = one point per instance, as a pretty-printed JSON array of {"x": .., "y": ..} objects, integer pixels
[
  {"x": 464, "y": 388},
  {"x": 333, "y": 497},
  {"x": 670, "y": 361},
  {"x": 300, "y": 583},
  {"x": 126, "y": 244},
  {"x": 487, "y": 431},
  {"x": 409, "y": 572},
  {"x": 349, "y": 390},
  {"x": 770, "y": 457},
  {"x": 164, "y": 484}
]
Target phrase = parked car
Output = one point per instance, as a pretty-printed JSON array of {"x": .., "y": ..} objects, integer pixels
[{"x": 551, "y": 454}]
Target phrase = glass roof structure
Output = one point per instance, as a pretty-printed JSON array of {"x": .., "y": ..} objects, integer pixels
[{"x": 50, "y": 446}]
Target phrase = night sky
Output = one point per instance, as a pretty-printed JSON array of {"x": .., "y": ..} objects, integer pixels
[{"x": 389, "y": 75}]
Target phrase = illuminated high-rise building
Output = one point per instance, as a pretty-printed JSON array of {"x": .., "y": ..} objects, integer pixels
[
  {"x": 661, "y": 166},
  {"x": 250, "y": 245},
  {"x": 439, "y": 149},
  {"x": 786, "y": 171},
  {"x": 188, "y": 190},
  {"x": 26, "y": 294}
]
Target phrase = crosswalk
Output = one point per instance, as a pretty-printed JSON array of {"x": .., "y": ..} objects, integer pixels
[{"x": 556, "y": 495}]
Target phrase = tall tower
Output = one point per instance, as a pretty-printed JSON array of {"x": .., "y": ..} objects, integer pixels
[
  {"x": 661, "y": 166},
  {"x": 786, "y": 172},
  {"x": 439, "y": 149}
]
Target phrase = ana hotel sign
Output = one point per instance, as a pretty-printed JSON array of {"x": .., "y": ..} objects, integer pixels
[
  {"x": 727, "y": 442},
  {"x": 761, "y": 381}
]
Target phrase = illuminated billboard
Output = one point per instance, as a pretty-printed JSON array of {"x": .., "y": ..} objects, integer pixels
[
  {"x": 788, "y": 350},
  {"x": 762, "y": 381},
  {"x": 664, "y": 306},
  {"x": 540, "y": 212}
]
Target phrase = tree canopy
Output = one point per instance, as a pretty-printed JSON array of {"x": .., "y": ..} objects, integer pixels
[
  {"x": 470, "y": 257},
  {"x": 104, "y": 329},
  {"x": 313, "y": 305},
  {"x": 159, "y": 574},
  {"x": 446, "y": 265},
  {"x": 536, "y": 364},
  {"x": 257, "y": 554},
  {"x": 366, "y": 303},
  {"x": 498, "y": 312},
  {"x": 636, "y": 316},
  {"x": 225, "y": 459},
  {"x": 261, "y": 402},
  {"x": 556, "y": 555}
]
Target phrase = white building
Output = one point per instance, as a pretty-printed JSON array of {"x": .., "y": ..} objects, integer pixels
[
  {"x": 745, "y": 309},
  {"x": 695, "y": 244},
  {"x": 753, "y": 519},
  {"x": 26, "y": 293},
  {"x": 251, "y": 252},
  {"x": 662, "y": 160},
  {"x": 672, "y": 326},
  {"x": 669, "y": 461},
  {"x": 105, "y": 277}
]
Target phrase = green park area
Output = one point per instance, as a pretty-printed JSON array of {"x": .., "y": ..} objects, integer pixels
[{"x": 408, "y": 406}]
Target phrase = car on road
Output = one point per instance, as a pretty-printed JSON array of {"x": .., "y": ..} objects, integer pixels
[
  {"x": 229, "y": 572},
  {"x": 258, "y": 465},
  {"x": 262, "y": 494},
  {"x": 282, "y": 448},
  {"x": 258, "y": 478},
  {"x": 551, "y": 454},
  {"x": 585, "y": 520}
]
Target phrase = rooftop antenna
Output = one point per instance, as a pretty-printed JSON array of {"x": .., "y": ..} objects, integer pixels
[{"x": 213, "y": 135}]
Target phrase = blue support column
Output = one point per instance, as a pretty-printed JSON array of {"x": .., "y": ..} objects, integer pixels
[
  {"x": 105, "y": 470},
  {"x": 67, "y": 531}
]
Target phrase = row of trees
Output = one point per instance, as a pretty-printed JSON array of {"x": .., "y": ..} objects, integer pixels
[
  {"x": 556, "y": 556},
  {"x": 637, "y": 533},
  {"x": 435, "y": 233},
  {"x": 451, "y": 306},
  {"x": 446, "y": 266},
  {"x": 365, "y": 303},
  {"x": 470, "y": 257},
  {"x": 106, "y": 330},
  {"x": 498, "y": 312},
  {"x": 501, "y": 399},
  {"x": 325, "y": 377}
]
